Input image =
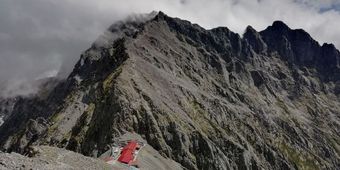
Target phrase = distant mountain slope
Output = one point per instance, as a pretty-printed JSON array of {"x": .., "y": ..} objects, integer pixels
[
  {"x": 35, "y": 89},
  {"x": 208, "y": 99}
]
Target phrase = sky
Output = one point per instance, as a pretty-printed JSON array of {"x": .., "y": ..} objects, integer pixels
[{"x": 41, "y": 38}]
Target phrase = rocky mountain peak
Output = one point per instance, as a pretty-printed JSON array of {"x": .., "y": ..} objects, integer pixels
[
  {"x": 250, "y": 29},
  {"x": 298, "y": 48},
  {"x": 330, "y": 56},
  {"x": 160, "y": 15},
  {"x": 208, "y": 99},
  {"x": 279, "y": 26},
  {"x": 255, "y": 40}
]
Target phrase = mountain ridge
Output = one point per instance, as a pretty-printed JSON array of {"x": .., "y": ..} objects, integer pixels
[{"x": 208, "y": 99}]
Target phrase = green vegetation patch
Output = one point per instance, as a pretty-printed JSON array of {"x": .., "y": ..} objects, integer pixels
[
  {"x": 335, "y": 142},
  {"x": 79, "y": 131},
  {"x": 282, "y": 105},
  {"x": 200, "y": 116},
  {"x": 302, "y": 161},
  {"x": 55, "y": 119},
  {"x": 108, "y": 82}
]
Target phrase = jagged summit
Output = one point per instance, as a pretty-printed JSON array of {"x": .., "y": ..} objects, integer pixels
[
  {"x": 300, "y": 49},
  {"x": 250, "y": 29},
  {"x": 289, "y": 43},
  {"x": 160, "y": 15},
  {"x": 280, "y": 25},
  {"x": 207, "y": 99},
  {"x": 295, "y": 51},
  {"x": 255, "y": 40},
  {"x": 279, "y": 28}
]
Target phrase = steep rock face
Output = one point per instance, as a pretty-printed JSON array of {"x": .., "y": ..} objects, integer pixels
[
  {"x": 208, "y": 99},
  {"x": 298, "y": 47},
  {"x": 255, "y": 40},
  {"x": 8, "y": 101}
]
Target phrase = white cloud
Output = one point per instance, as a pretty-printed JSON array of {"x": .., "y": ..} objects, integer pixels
[{"x": 37, "y": 36}]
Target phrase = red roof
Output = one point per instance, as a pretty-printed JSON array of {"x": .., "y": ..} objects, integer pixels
[{"x": 127, "y": 152}]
